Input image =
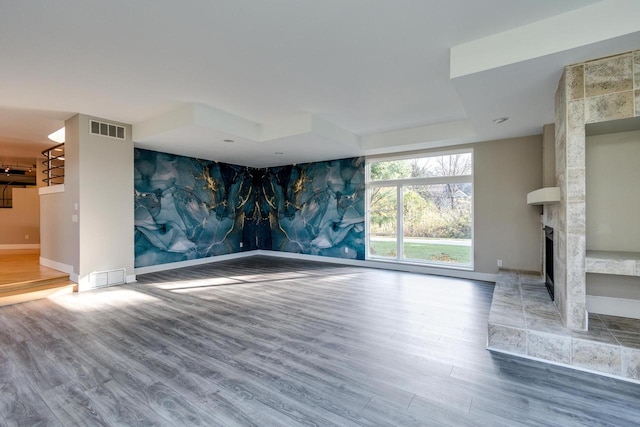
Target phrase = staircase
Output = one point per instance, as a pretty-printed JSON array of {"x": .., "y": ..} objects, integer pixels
[
  {"x": 22, "y": 278},
  {"x": 14, "y": 293}
]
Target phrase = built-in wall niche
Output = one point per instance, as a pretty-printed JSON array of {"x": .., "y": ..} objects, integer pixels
[
  {"x": 626, "y": 287},
  {"x": 613, "y": 295},
  {"x": 612, "y": 199},
  {"x": 612, "y": 176}
]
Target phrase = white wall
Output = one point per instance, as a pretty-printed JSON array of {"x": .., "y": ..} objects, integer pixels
[
  {"x": 59, "y": 236},
  {"x": 106, "y": 202},
  {"x": 98, "y": 190}
]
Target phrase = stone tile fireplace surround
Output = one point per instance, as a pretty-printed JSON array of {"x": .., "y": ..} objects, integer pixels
[
  {"x": 523, "y": 320},
  {"x": 590, "y": 92}
]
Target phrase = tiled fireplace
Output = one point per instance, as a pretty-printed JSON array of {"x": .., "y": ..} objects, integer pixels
[
  {"x": 548, "y": 262},
  {"x": 590, "y": 92},
  {"x": 523, "y": 320}
]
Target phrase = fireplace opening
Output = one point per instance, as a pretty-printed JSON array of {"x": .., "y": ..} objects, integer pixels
[{"x": 548, "y": 260}]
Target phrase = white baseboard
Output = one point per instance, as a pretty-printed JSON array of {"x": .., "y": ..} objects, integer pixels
[
  {"x": 84, "y": 284},
  {"x": 20, "y": 246},
  {"x": 65, "y": 268},
  {"x": 461, "y": 274},
  {"x": 410, "y": 268},
  {"x": 448, "y": 272},
  {"x": 291, "y": 255},
  {"x": 622, "y": 307},
  {"x": 192, "y": 262}
]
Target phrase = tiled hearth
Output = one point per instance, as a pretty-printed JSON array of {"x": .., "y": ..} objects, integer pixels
[{"x": 524, "y": 321}]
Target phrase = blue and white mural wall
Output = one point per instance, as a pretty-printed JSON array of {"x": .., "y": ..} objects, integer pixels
[
  {"x": 188, "y": 208},
  {"x": 318, "y": 208}
]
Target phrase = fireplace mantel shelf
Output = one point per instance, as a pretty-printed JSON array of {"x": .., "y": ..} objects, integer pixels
[
  {"x": 611, "y": 262},
  {"x": 544, "y": 196}
]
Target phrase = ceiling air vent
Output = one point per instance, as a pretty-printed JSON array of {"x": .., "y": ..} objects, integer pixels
[{"x": 106, "y": 129}]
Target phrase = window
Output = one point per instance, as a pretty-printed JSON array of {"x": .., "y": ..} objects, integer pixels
[{"x": 420, "y": 209}]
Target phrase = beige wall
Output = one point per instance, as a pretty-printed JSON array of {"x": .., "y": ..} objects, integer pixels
[
  {"x": 612, "y": 206},
  {"x": 22, "y": 219},
  {"x": 549, "y": 155},
  {"x": 505, "y": 226},
  {"x": 613, "y": 286},
  {"x": 612, "y": 196}
]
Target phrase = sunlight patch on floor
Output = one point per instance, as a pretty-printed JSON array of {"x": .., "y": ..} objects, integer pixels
[
  {"x": 195, "y": 283},
  {"x": 104, "y": 299}
]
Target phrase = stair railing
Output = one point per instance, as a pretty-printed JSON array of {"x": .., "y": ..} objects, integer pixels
[{"x": 54, "y": 165}]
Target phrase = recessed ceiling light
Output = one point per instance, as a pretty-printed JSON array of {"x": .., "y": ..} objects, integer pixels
[
  {"x": 500, "y": 120},
  {"x": 279, "y": 153},
  {"x": 228, "y": 140},
  {"x": 57, "y": 136}
]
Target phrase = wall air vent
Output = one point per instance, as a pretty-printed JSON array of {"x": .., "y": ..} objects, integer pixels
[
  {"x": 106, "y": 129},
  {"x": 99, "y": 279}
]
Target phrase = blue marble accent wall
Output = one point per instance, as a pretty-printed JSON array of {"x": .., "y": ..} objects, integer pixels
[
  {"x": 188, "y": 208},
  {"x": 318, "y": 208}
]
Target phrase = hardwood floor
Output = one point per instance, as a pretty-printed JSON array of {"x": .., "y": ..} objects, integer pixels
[
  {"x": 22, "y": 278},
  {"x": 271, "y": 342},
  {"x": 23, "y": 265}
]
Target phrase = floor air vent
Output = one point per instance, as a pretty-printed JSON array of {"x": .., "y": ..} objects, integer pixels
[
  {"x": 106, "y": 129},
  {"x": 99, "y": 279}
]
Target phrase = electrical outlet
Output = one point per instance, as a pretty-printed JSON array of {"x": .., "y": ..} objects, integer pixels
[
  {"x": 499, "y": 263},
  {"x": 346, "y": 250},
  {"x": 26, "y": 237},
  {"x": 241, "y": 244}
]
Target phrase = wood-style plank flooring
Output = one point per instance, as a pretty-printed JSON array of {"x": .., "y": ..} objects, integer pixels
[
  {"x": 22, "y": 278},
  {"x": 23, "y": 265},
  {"x": 269, "y": 342}
]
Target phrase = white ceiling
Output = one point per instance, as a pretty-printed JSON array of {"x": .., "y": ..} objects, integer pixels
[{"x": 313, "y": 80}]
